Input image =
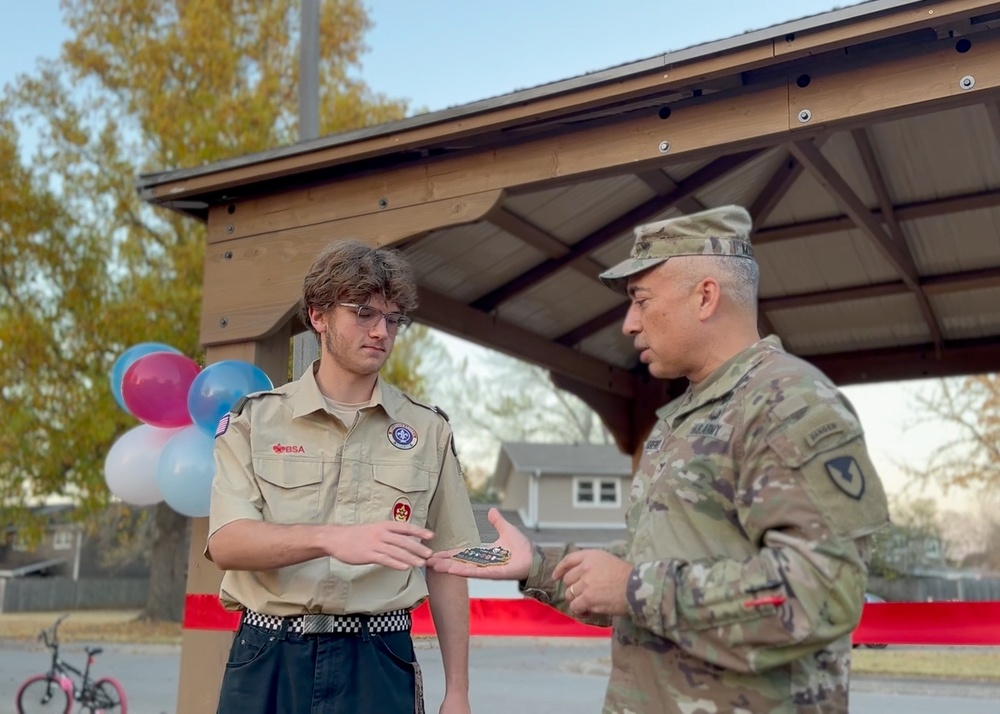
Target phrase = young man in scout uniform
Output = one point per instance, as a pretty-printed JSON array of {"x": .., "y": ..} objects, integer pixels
[
  {"x": 330, "y": 492},
  {"x": 751, "y": 512}
]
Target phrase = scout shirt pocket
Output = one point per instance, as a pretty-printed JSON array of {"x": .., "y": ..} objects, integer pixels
[
  {"x": 290, "y": 488},
  {"x": 828, "y": 450},
  {"x": 401, "y": 492}
]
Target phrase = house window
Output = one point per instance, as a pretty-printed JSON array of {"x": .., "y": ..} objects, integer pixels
[
  {"x": 20, "y": 543},
  {"x": 62, "y": 539},
  {"x": 597, "y": 492}
]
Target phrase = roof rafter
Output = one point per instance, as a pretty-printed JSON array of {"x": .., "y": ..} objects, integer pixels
[
  {"x": 904, "y": 212},
  {"x": 864, "y": 145},
  {"x": 705, "y": 176},
  {"x": 895, "y": 251},
  {"x": 458, "y": 319}
]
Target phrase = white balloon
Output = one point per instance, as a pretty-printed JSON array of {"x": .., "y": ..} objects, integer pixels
[{"x": 130, "y": 466}]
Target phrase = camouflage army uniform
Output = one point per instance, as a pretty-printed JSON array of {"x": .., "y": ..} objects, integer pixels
[{"x": 748, "y": 525}]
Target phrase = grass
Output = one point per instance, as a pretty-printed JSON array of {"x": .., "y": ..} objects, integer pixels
[
  {"x": 93, "y": 627},
  {"x": 980, "y": 664},
  {"x": 122, "y": 627}
]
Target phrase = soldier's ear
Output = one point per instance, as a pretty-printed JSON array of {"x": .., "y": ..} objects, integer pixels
[{"x": 709, "y": 294}]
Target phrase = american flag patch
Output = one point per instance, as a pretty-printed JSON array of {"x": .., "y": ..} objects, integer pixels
[{"x": 223, "y": 425}]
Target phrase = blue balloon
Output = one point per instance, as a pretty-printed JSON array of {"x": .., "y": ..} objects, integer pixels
[
  {"x": 218, "y": 387},
  {"x": 185, "y": 470},
  {"x": 125, "y": 361}
]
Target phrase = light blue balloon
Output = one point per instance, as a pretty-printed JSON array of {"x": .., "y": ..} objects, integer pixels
[
  {"x": 185, "y": 470},
  {"x": 125, "y": 361},
  {"x": 217, "y": 388}
]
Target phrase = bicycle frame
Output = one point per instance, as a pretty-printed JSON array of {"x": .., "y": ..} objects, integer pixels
[{"x": 76, "y": 684}]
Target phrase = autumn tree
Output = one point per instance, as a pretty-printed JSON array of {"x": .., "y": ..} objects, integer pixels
[
  {"x": 86, "y": 268},
  {"x": 505, "y": 399},
  {"x": 968, "y": 412}
]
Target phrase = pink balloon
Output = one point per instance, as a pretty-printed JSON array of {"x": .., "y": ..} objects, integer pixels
[{"x": 155, "y": 389}]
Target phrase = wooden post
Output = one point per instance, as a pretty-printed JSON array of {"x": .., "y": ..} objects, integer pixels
[{"x": 204, "y": 652}]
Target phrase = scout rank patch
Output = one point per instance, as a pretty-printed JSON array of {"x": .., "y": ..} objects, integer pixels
[
  {"x": 402, "y": 510},
  {"x": 483, "y": 556},
  {"x": 402, "y": 436}
]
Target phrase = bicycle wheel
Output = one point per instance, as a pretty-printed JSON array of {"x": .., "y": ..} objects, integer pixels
[
  {"x": 109, "y": 697},
  {"x": 43, "y": 694}
]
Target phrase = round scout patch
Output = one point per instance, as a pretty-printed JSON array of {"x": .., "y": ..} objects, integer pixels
[
  {"x": 402, "y": 436},
  {"x": 401, "y": 510}
]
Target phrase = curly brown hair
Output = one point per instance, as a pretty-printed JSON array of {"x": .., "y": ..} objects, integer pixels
[{"x": 351, "y": 271}]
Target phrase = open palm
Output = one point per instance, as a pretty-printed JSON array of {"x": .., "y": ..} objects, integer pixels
[{"x": 510, "y": 537}]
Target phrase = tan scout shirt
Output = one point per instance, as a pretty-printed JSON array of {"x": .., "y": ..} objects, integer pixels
[
  {"x": 285, "y": 459},
  {"x": 748, "y": 525}
]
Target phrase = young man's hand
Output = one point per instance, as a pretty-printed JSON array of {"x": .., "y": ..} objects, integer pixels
[
  {"x": 511, "y": 539},
  {"x": 390, "y": 543}
]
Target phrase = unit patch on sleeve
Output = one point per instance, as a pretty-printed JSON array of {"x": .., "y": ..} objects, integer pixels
[{"x": 846, "y": 475}]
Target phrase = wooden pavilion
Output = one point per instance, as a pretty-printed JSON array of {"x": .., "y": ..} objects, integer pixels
[{"x": 865, "y": 142}]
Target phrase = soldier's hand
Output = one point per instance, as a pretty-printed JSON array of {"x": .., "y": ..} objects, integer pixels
[
  {"x": 594, "y": 581},
  {"x": 511, "y": 538},
  {"x": 390, "y": 543}
]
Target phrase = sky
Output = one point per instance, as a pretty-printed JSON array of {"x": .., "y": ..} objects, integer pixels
[{"x": 442, "y": 53}]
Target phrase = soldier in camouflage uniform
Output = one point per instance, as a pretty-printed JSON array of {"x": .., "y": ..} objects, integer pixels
[{"x": 750, "y": 515}]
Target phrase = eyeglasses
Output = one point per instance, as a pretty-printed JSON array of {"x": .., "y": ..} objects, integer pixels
[{"x": 369, "y": 316}]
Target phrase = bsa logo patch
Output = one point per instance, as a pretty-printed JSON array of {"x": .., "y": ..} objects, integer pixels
[
  {"x": 401, "y": 510},
  {"x": 402, "y": 436},
  {"x": 846, "y": 475},
  {"x": 288, "y": 449}
]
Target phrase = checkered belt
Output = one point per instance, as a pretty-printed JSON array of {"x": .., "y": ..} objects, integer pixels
[{"x": 392, "y": 621}]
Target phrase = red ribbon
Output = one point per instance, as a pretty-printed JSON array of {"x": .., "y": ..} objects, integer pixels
[{"x": 895, "y": 623}]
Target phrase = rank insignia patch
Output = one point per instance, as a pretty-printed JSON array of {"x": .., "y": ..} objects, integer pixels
[
  {"x": 483, "y": 556},
  {"x": 402, "y": 510},
  {"x": 846, "y": 475},
  {"x": 402, "y": 436}
]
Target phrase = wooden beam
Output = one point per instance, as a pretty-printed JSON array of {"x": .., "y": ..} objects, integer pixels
[
  {"x": 931, "y": 208},
  {"x": 984, "y": 279},
  {"x": 593, "y": 325},
  {"x": 845, "y": 197},
  {"x": 826, "y": 297},
  {"x": 463, "y": 321},
  {"x": 664, "y": 186},
  {"x": 253, "y": 284},
  {"x": 908, "y": 18},
  {"x": 705, "y": 176},
  {"x": 868, "y": 158},
  {"x": 540, "y": 240},
  {"x": 946, "y": 284},
  {"x": 959, "y": 357}
]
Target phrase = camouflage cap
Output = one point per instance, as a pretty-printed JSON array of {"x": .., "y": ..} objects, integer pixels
[{"x": 717, "y": 231}]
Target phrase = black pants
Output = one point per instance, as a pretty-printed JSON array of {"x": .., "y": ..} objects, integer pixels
[{"x": 275, "y": 672}]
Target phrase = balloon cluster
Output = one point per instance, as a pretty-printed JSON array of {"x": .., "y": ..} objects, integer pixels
[{"x": 169, "y": 457}]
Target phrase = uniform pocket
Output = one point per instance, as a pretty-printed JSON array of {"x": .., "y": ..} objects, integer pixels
[
  {"x": 401, "y": 492},
  {"x": 290, "y": 488}
]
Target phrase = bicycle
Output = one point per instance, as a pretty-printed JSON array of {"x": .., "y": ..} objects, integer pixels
[{"x": 63, "y": 685}]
